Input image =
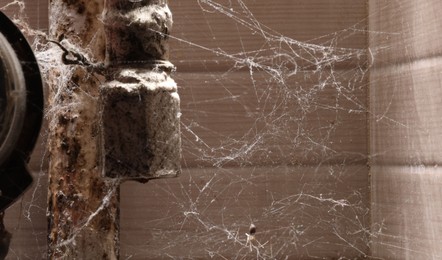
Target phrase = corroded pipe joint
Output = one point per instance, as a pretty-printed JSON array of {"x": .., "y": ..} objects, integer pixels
[
  {"x": 136, "y": 31},
  {"x": 139, "y": 101}
]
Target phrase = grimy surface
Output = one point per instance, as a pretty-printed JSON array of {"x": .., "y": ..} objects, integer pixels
[
  {"x": 139, "y": 103},
  {"x": 283, "y": 152},
  {"x": 82, "y": 206},
  {"x": 103, "y": 133},
  {"x": 306, "y": 187}
]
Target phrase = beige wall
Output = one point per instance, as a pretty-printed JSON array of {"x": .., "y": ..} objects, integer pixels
[{"x": 406, "y": 135}]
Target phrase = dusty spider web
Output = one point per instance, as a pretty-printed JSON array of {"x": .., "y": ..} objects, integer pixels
[{"x": 274, "y": 144}]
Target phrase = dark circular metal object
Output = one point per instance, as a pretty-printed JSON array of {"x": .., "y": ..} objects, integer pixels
[
  {"x": 21, "y": 110},
  {"x": 12, "y": 99}
]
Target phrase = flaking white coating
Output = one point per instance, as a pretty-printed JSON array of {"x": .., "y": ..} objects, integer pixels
[{"x": 133, "y": 79}]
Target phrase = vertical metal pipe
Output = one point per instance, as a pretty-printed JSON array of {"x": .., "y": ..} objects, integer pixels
[
  {"x": 82, "y": 205},
  {"x": 103, "y": 134}
]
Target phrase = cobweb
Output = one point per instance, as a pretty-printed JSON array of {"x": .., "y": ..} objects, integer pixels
[{"x": 275, "y": 147}]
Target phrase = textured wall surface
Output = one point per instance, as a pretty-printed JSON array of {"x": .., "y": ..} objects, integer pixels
[{"x": 406, "y": 135}]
